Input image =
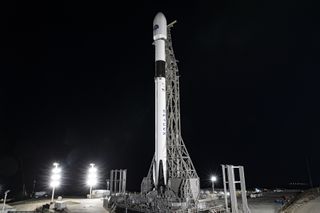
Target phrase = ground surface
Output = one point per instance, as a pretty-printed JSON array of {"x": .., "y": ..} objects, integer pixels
[
  {"x": 313, "y": 206},
  {"x": 267, "y": 204},
  {"x": 73, "y": 205},
  {"x": 263, "y": 205}
]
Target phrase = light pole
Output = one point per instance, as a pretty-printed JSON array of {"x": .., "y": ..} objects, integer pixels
[
  {"x": 55, "y": 178},
  {"x": 4, "y": 200},
  {"x": 33, "y": 188},
  {"x": 213, "y": 179},
  {"x": 92, "y": 177}
]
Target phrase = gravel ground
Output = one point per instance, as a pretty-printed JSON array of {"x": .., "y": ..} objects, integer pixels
[
  {"x": 267, "y": 204},
  {"x": 313, "y": 206},
  {"x": 263, "y": 205},
  {"x": 73, "y": 205}
]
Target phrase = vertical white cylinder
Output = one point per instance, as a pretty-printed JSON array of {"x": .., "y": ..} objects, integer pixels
[
  {"x": 160, "y": 127},
  {"x": 160, "y": 156}
]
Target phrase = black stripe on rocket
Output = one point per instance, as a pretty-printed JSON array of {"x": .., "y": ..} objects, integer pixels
[{"x": 160, "y": 69}]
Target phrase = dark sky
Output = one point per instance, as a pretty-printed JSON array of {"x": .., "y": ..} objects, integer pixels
[{"x": 77, "y": 87}]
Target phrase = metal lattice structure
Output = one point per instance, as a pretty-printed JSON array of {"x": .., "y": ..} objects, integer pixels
[{"x": 180, "y": 166}]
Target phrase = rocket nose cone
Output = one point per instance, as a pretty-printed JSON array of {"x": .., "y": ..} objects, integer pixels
[
  {"x": 159, "y": 26},
  {"x": 159, "y": 18}
]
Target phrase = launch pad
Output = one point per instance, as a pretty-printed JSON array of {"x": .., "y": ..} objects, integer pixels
[
  {"x": 180, "y": 189},
  {"x": 183, "y": 186}
]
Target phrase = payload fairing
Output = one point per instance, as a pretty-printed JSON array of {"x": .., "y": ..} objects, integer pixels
[{"x": 160, "y": 156}]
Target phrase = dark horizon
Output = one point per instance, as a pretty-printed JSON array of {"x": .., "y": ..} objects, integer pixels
[{"x": 77, "y": 87}]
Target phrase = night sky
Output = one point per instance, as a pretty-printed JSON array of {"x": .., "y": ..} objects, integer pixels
[{"x": 77, "y": 87}]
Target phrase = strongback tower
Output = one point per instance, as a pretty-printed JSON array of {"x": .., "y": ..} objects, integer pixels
[{"x": 182, "y": 176}]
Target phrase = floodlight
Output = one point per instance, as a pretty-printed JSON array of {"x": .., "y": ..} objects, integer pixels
[
  {"x": 213, "y": 178},
  {"x": 92, "y": 178},
  {"x": 55, "y": 178}
]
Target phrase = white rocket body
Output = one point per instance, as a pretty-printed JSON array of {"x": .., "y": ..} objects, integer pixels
[{"x": 160, "y": 156}]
